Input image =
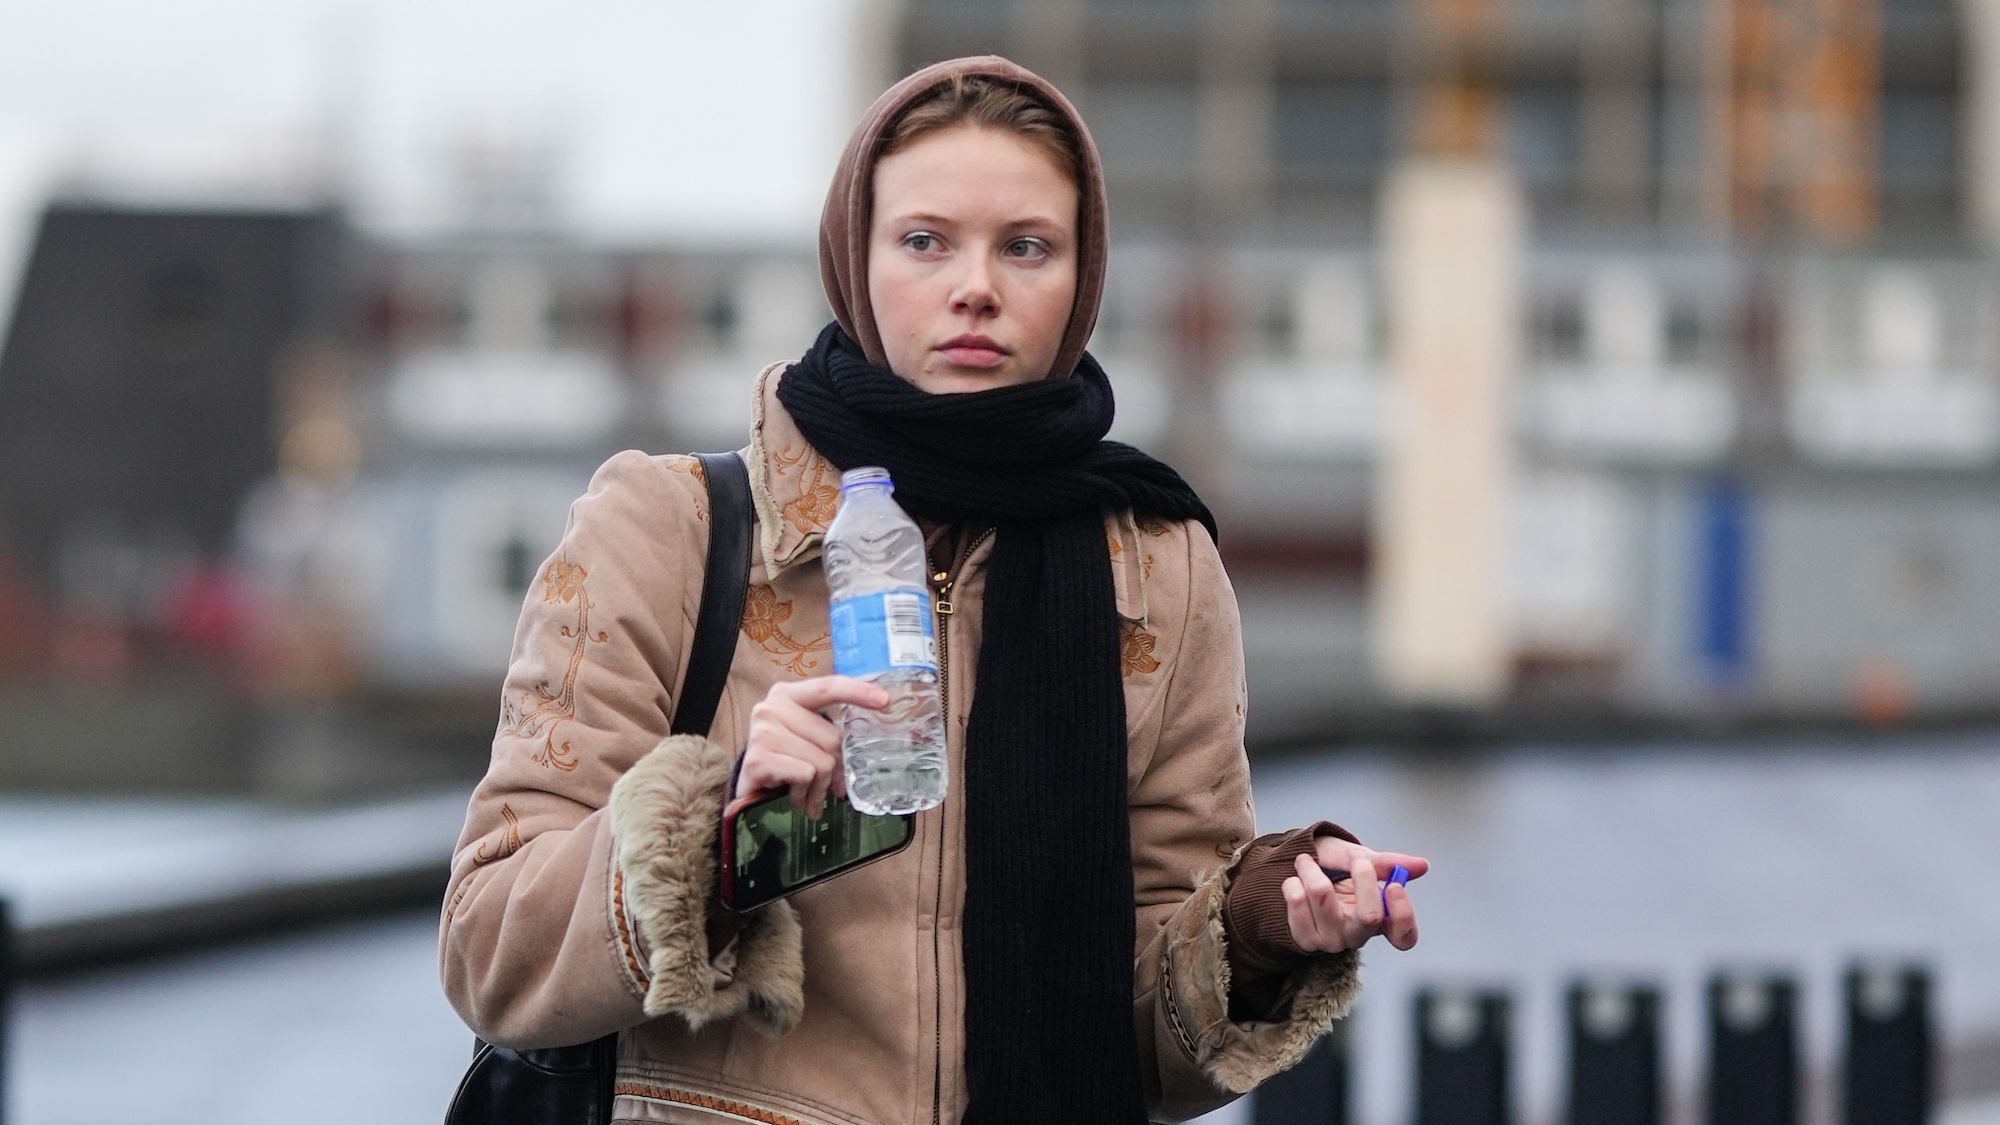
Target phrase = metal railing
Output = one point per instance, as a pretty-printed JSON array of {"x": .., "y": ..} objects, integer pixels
[
  {"x": 1616, "y": 1073},
  {"x": 6, "y": 996}
]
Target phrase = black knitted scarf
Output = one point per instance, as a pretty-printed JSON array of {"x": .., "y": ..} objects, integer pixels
[{"x": 1048, "y": 865}]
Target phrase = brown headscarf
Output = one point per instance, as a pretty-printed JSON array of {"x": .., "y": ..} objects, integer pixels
[{"x": 843, "y": 225}]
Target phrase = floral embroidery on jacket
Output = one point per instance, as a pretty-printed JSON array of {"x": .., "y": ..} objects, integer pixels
[
  {"x": 510, "y": 840},
  {"x": 541, "y": 712},
  {"x": 764, "y": 615},
  {"x": 1137, "y": 654},
  {"x": 694, "y": 468},
  {"x": 817, "y": 500}
]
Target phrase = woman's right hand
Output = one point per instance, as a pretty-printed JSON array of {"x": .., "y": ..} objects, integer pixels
[{"x": 794, "y": 746}]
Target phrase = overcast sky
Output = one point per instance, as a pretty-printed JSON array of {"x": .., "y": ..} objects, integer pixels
[{"x": 669, "y": 117}]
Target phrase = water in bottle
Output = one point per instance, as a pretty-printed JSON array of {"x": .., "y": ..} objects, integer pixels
[{"x": 883, "y": 632}]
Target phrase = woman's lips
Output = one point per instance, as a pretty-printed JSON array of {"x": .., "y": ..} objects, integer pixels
[{"x": 973, "y": 351}]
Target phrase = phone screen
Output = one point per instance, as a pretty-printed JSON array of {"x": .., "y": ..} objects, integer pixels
[{"x": 774, "y": 848}]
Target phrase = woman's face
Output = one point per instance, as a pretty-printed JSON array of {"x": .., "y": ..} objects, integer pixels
[{"x": 972, "y": 259}]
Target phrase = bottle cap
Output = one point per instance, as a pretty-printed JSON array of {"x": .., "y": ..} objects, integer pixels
[{"x": 865, "y": 475}]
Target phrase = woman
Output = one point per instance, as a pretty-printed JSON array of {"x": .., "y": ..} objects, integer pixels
[{"x": 1084, "y": 931}]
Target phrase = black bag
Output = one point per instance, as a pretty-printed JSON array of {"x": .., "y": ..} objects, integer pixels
[{"x": 573, "y": 1085}]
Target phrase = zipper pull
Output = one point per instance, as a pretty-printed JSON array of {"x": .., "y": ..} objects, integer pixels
[{"x": 943, "y": 601}]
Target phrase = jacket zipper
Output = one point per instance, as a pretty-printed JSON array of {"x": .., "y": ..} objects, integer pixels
[{"x": 945, "y": 579}]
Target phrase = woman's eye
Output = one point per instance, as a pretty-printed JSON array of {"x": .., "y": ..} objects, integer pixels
[
  {"x": 1027, "y": 248},
  {"x": 923, "y": 242}
]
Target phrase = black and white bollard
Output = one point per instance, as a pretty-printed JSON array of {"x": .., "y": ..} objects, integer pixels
[
  {"x": 1311, "y": 1093},
  {"x": 1462, "y": 1058},
  {"x": 1614, "y": 1054},
  {"x": 1888, "y": 1064},
  {"x": 1753, "y": 1054}
]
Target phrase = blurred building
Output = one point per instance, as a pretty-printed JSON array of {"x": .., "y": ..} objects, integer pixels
[
  {"x": 1281, "y": 119},
  {"x": 1712, "y": 380},
  {"x": 1746, "y": 405},
  {"x": 139, "y": 395}
]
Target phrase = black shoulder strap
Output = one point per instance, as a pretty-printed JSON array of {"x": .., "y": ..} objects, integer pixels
[
  {"x": 723, "y": 585},
  {"x": 577, "y": 1083}
]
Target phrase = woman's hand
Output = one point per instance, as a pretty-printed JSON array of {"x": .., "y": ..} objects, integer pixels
[
  {"x": 794, "y": 746},
  {"x": 1328, "y": 916}
]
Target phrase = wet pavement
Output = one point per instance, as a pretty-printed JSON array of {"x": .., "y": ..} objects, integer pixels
[{"x": 1660, "y": 862}]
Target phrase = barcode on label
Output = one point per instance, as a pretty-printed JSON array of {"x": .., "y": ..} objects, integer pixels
[{"x": 909, "y": 637}]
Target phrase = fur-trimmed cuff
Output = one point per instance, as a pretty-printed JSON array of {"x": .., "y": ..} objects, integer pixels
[
  {"x": 1239, "y": 1056},
  {"x": 665, "y": 813}
]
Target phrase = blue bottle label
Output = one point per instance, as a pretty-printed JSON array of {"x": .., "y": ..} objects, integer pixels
[{"x": 889, "y": 631}]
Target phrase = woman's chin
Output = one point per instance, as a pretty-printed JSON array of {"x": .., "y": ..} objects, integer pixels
[{"x": 951, "y": 379}]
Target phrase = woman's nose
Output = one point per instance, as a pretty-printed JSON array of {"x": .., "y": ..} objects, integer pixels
[{"x": 975, "y": 291}]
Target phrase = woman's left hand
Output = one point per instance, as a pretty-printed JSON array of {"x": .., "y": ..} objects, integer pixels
[{"x": 1328, "y": 916}]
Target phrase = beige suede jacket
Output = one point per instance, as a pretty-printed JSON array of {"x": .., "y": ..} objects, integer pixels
[{"x": 581, "y": 887}]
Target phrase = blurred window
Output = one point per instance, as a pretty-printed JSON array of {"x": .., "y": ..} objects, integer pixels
[
  {"x": 1558, "y": 328},
  {"x": 1147, "y": 127},
  {"x": 719, "y": 316},
  {"x": 517, "y": 566},
  {"x": 1919, "y": 142},
  {"x": 1332, "y": 131},
  {"x": 1687, "y": 333},
  {"x": 1277, "y": 328},
  {"x": 1542, "y": 128}
]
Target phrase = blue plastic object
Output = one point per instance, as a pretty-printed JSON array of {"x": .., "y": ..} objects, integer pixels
[{"x": 1399, "y": 877}]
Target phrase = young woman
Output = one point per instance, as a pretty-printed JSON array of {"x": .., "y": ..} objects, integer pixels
[{"x": 1084, "y": 931}]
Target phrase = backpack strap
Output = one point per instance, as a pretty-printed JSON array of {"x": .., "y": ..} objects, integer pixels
[{"x": 725, "y": 582}]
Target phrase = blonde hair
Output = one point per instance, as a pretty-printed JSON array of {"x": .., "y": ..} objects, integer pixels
[{"x": 993, "y": 103}]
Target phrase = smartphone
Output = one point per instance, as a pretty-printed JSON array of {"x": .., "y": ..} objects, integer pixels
[{"x": 771, "y": 848}]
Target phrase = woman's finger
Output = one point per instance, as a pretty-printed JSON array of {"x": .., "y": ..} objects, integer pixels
[
  {"x": 776, "y": 771},
  {"x": 781, "y": 758},
  {"x": 772, "y": 741},
  {"x": 813, "y": 738},
  {"x": 1402, "y": 927},
  {"x": 815, "y": 805},
  {"x": 1332, "y": 851},
  {"x": 821, "y": 692},
  {"x": 809, "y": 725},
  {"x": 1328, "y": 909},
  {"x": 1336, "y": 852},
  {"x": 1367, "y": 897},
  {"x": 1302, "y": 915},
  {"x": 1298, "y": 914},
  {"x": 1387, "y": 862}
]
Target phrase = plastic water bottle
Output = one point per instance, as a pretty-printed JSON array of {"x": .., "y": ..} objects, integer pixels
[{"x": 883, "y": 632}]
